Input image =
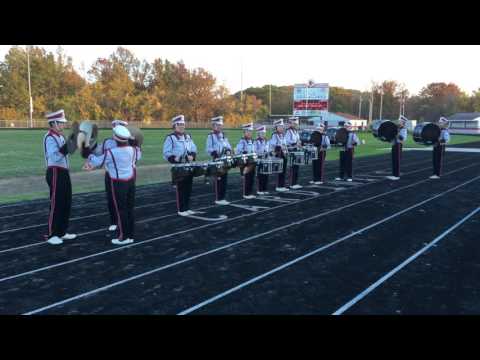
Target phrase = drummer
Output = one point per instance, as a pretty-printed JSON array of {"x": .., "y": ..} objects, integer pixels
[
  {"x": 292, "y": 139},
  {"x": 261, "y": 148},
  {"x": 218, "y": 146},
  {"x": 346, "y": 154},
  {"x": 397, "y": 144},
  {"x": 439, "y": 148},
  {"x": 319, "y": 165},
  {"x": 279, "y": 146},
  {"x": 178, "y": 148},
  {"x": 246, "y": 146}
]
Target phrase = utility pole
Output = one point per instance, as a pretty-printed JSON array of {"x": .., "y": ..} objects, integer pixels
[
  {"x": 381, "y": 102},
  {"x": 29, "y": 88},
  {"x": 241, "y": 85},
  {"x": 270, "y": 97},
  {"x": 360, "y": 108}
]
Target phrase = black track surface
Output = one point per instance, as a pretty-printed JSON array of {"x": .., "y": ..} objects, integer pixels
[{"x": 168, "y": 270}]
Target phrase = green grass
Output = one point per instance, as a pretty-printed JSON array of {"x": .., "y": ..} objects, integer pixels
[{"x": 22, "y": 150}]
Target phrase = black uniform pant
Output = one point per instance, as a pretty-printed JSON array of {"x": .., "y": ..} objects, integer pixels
[
  {"x": 319, "y": 166},
  {"x": 262, "y": 182},
  {"x": 108, "y": 192},
  {"x": 438, "y": 153},
  {"x": 281, "y": 176},
  {"x": 248, "y": 178},
  {"x": 184, "y": 190},
  {"x": 396, "y": 157},
  {"x": 123, "y": 194},
  {"x": 58, "y": 180},
  {"x": 220, "y": 184},
  {"x": 293, "y": 175},
  {"x": 346, "y": 163}
]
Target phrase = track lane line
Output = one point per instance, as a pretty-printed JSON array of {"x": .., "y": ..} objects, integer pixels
[
  {"x": 395, "y": 270},
  {"x": 109, "y": 286}
]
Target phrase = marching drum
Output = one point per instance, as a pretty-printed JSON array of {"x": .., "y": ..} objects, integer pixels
[
  {"x": 341, "y": 136},
  {"x": 385, "y": 130},
  {"x": 296, "y": 158},
  {"x": 311, "y": 153},
  {"x": 216, "y": 168},
  {"x": 179, "y": 171},
  {"x": 426, "y": 133},
  {"x": 270, "y": 166},
  {"x": 244, "y": 159}
]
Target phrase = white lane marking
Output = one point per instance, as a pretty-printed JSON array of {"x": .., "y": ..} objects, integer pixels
[
  {"x": 316, "y": 251},
  {"x": 268, "y": 198},
  {"x": 79, "y": 197},
  {"x": 103, "y": 288},
  {"x": 203, "y": 218},
  {"x": 253, "y": 208},
  {"x": 388, "y": 275}
]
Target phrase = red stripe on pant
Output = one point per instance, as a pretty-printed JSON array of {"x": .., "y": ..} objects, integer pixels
[
  {"x": 52, "y": 204},
  {"x": 119, "y": 220}
]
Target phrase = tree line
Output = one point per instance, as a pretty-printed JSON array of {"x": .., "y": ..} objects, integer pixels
[{"x": 125, "y": 87}]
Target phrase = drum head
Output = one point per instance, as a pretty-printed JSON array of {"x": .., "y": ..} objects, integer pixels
[
  {"x": 426, "y": 133},
  {"x": 341, "y": 136}
]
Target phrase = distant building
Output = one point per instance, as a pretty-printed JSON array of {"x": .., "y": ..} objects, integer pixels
[
  {"x": 465, "y": 123},
  {"x": 332, "y": 119}
]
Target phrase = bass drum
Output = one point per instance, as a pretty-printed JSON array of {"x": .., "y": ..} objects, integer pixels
[
  {"x": 341, "y": 136},
  {"x": 316, "y": 138},
  {"x": 426, "y": 133},
  {"x": 385, "y": 130}
]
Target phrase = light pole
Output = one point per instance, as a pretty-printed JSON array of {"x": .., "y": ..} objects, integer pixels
[
  {"x": 29, "y": 88},
  {"x": 370, "y": 111}
]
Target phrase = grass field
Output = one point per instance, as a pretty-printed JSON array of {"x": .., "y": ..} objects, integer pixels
[{"x": 22, "y": 152}]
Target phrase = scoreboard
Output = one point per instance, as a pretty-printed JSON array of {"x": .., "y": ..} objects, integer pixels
[{"x": 310, "y": 99}]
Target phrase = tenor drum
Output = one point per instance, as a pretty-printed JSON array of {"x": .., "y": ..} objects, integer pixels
[
  {"x": 270, "y": 166},
  {"x": 385, "y": 130},
  {"x": 244, "y": 159},
  {"x": 296, "y": 158},
  {"x": 179, "y": 171},
  {"x": 426, "y": 133},
  {"x": 311, "y": 153},
  {"x": 216, "y": 168}
]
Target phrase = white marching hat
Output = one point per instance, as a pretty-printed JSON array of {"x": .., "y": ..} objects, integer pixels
[
  {"x": 320, "y": 126},
  {"x": 278, "y": 122},
  {"x": 217, "y": 120},
  {"x": 57, "y": 116},
  {"x": 261, "y": 128},
  {"x": 443, "y": 120},
  {"x": 348, "y": 124},
  {"x": 247, "y": 127},
  {"x": 403, "y": 119},
  {"x": 121, "y": 133},
  {"x": 119, "y": 122},
  {"x": 293, "y": 120},
  {"x": 180, "y": 119}
]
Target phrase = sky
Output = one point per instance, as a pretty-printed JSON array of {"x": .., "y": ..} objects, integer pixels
[{"x": 349, "y": 66}]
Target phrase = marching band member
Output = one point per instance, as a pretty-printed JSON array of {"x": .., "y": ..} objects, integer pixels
[
  {"x": 58, "y": 179},
  {"x": 346, "y": 154},
  {"x": 246, "y": 146},
  {"x": 218, "y": 146},
  {"x": 279, "y": 146},
  {"x": 261, "y": 148},
  {"x": 120, "y": 162},
  {"x": 292, "y": 138},
  {"x": 439, "y": 148},
  {"x": 319, "y": 165},
  {"x": 397, "y": 145},
  {"x": 109, "y": 143},
  {"x": 180, "y": 148}
]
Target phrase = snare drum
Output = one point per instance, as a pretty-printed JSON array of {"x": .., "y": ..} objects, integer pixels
[{"x": 270, "y": 166}]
